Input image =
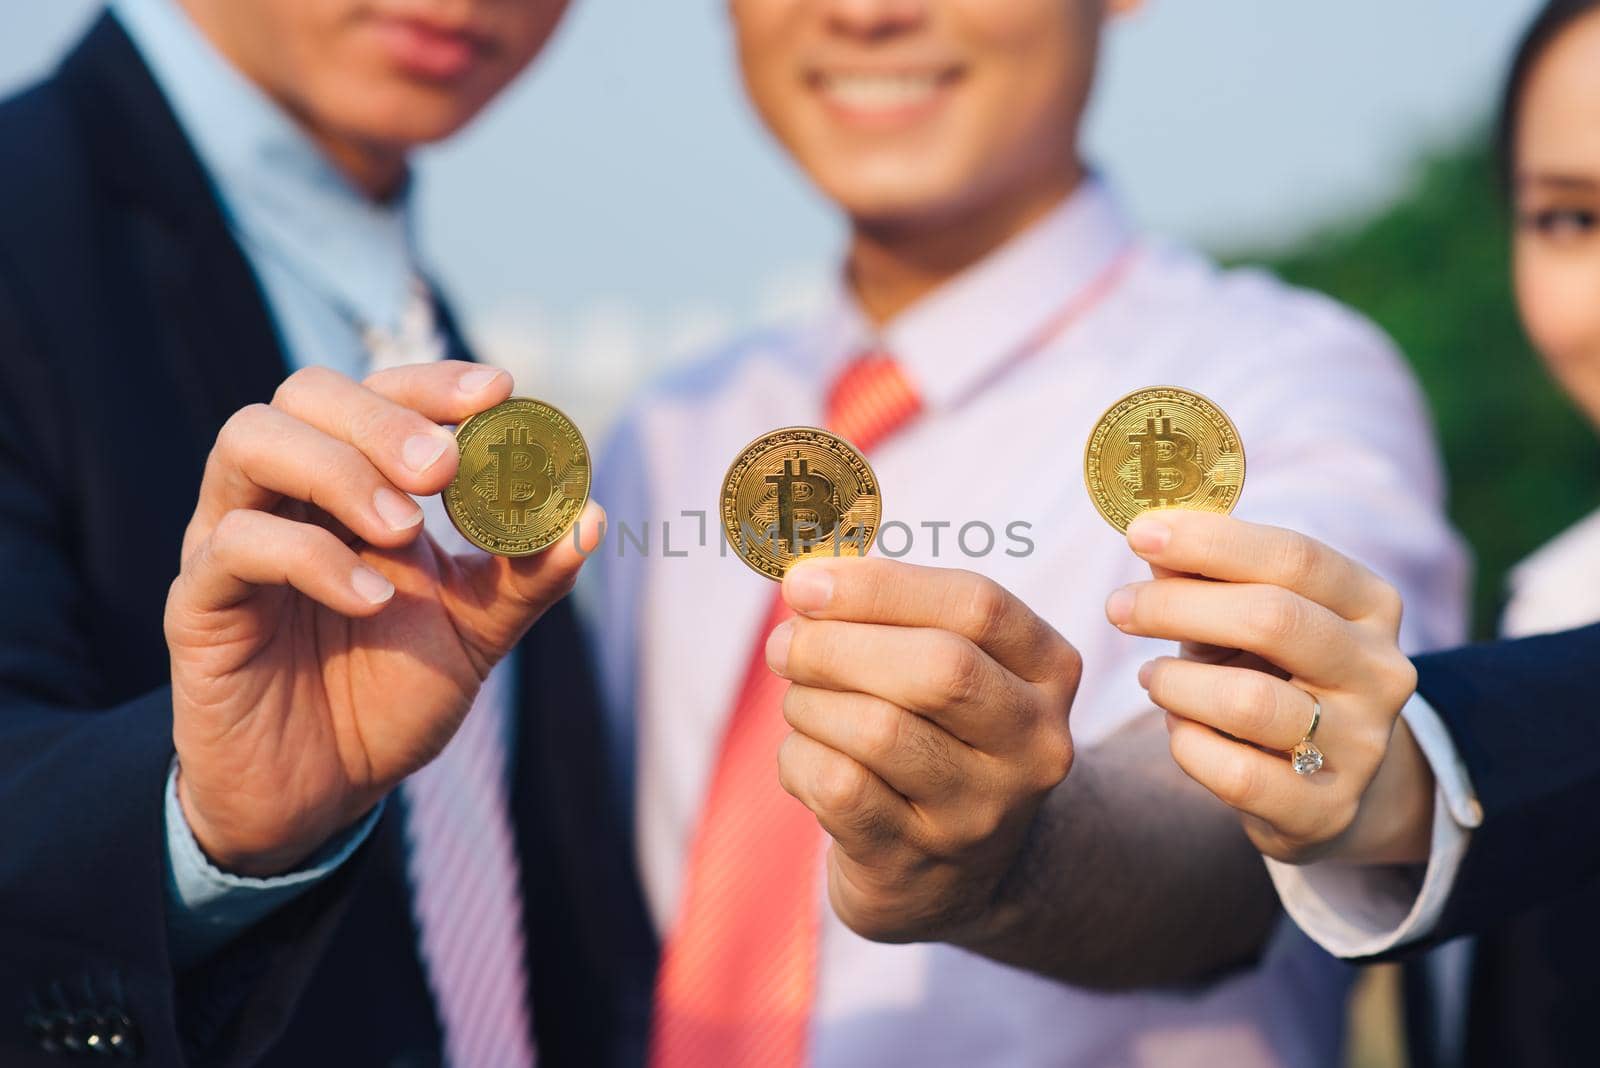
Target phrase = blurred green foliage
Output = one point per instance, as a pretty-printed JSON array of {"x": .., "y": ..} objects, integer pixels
[{"x": 1432, "y": 269}]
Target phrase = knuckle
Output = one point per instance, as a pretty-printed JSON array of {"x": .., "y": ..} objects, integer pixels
[
  {"x": 1210, "y": 540},
  {"x": 1237, "y": 783},
  {"x": 1272, "y": 614},
  {"x": 230, "y": 531},
  {"x": 879, "y": 730},
  {"x": 788, "y": 760},
  {"x": 1068, "y": 661},
  {"x": 981, "y": 823},
  {"x": 1390, "y": 606},
  {"x": 1370, "y": 744},
  {"x": 840, "y": 785},
  {"x": 946, "y": 840},
  {"x": 983, "y": 607},
  {"x": 936, "y": 763},
  {"x": 1401, "y": 678},
  {"x": 309, "y": 545},
  {"x": 958, "y": 671},
  {"x": 373, "y": 423},
  {"x": 1254, "y": 700},
  {"x": 302, "y": 383},
  {"x": 1054, "y": 756},
  {"x": 1298, "y": 558},
  {"x": 239, "y": 427}
]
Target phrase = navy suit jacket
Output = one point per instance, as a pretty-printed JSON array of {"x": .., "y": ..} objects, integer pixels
[
  {"x": 131, "y": 327},
  {"x": 1525, "y": 718}
]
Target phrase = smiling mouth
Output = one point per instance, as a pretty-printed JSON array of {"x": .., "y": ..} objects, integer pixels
[{"x": 882, "y": 91}]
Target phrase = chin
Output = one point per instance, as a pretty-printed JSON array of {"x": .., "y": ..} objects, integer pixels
[
  {"x": 898, "y": 206},
  {"x": 883, "y": 193},
  {"x": 408, "y": 117}
]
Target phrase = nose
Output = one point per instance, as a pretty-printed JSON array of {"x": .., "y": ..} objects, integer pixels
[{"x": 874, "y": 19}]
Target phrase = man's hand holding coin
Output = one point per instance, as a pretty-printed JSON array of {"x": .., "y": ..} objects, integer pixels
[
  {"x": 323, "y": 646},
  {"x": 929, "y": 709}
]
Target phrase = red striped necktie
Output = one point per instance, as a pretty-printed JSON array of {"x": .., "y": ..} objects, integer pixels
[{"x": 738, "y": 974}]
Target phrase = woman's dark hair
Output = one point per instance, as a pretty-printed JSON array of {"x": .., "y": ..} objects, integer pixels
[{"x": 1556, "y": 16}]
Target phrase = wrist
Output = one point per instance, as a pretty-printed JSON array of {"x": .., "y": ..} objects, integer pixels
[
  {"x": 251, "y": 853},
  {"x": 1005, "y": 910}
]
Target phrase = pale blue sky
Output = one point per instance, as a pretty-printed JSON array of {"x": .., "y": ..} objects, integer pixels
[{"x": 620, "y": 208}]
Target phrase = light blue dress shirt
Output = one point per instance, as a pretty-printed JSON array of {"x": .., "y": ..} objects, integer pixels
[{"x": 333, "y": 265}]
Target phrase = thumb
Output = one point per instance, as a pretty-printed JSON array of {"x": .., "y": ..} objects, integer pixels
[{"x": 513, "y": 592}]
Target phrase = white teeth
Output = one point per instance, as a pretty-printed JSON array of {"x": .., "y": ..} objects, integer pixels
[{"x": 879, "y": 90}]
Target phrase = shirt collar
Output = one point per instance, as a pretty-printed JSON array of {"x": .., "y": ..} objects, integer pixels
[
  {"x": 1576, "y": 549},
  {"x": 281, "y": 196},
  {"x": 954, "y": 338}
]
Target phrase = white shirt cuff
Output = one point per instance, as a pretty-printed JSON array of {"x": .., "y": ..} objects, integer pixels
[
  {"x": 206, "y": 906},
  {"x": 1358, "y": 910}
]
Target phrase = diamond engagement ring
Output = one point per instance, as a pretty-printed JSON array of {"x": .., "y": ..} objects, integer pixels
[{"x": 1305, "y": 757}]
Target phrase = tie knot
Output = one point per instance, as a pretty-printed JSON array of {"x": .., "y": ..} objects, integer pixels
[
  {"x": 871, "y": 399},
  {"x": 414, "y": 338}
]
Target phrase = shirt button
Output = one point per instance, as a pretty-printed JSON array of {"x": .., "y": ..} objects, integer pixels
[{"x": 122, "y": 1037}]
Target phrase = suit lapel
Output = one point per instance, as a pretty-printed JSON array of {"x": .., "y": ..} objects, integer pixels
[{"x": 225, "y": 351}]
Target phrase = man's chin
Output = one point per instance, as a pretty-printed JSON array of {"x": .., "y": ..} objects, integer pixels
[
  {"x": 899, "y": 212},
  {"x": 413, "y": 116}
]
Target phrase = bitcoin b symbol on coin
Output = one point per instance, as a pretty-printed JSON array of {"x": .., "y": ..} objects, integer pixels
[
  {"x": 1162, "y": 446},
  {"x": 523, "y": 479},
  {"x": 805, "y": 501},
  {"x": 798, "y": 492},
  {"x": 1167, "y": 468}
]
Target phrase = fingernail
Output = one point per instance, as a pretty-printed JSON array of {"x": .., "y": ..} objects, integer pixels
[
  {"x": 808, "y": 589},
  {"x": 371, "y": 586},
  {"x": 1146, "y": 671},
  {"x": 778, "y": 646},
  {"x": 477, "y": 380},
  {"x": 1119, "y": 606},
  {"x": 422, "y": 451},
  {"x": 399, "y": 511},
  {"x": 1147, "y": 534}
]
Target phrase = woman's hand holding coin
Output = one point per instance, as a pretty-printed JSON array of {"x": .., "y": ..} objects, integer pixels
[{"x": 1287, "y": 644}]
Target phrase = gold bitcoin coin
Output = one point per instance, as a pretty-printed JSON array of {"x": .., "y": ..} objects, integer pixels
[
  {"x": 523, "y": 479},
  {"x": 796, "y": 493},
  {"x": 1163, "y": 447}
]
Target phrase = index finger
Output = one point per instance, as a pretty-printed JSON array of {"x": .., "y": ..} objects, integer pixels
[
  {"x": 445, "y": 391},
  {"x": 892, "y": 593},
  {"x": 1222, "y": 547}
]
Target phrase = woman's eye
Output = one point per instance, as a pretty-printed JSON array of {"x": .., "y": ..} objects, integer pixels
[{"x": 1563, "y": 222}]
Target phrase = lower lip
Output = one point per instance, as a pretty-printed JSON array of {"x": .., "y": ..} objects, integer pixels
[
  {"x": 886, "y": 116},
  {"x": 427, "y": 53}
]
